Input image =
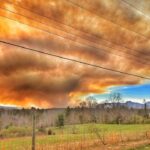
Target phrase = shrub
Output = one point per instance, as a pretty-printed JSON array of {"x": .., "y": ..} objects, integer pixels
[
  {"x": 50, "y": 132},
  {"x": 60, "y": 120}
]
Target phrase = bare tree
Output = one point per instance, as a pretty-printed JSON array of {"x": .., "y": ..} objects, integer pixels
[
  {"x": 92, "y": 106},
  {"x": 115, "y": 99}
]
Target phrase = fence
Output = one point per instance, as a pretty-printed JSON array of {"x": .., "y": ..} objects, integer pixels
[{"x": 73, "y": 137}]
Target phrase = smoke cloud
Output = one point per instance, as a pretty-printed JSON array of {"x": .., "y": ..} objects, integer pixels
[{"x": 31, "y": 79}]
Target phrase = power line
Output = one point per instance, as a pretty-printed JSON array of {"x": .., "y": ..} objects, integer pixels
[
  {"x": 74, "y": 60},
  {"x": 104, "y": 51},
  {"x": 76, "y": 29},
  {"x": 77, "y": 5},
  {"x": 91, "y": 35},
  {"x": 124, "y": 1}
]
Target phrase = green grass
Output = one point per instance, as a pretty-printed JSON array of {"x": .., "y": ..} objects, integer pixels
[
  {"x": 88, "y": 128},
  {"x": 69, "y": 133},
  {"x": 15, "y": 132},
  {"x": 146, "y": 147}
]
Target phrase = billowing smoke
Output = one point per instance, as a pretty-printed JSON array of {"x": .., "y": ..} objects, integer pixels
[{"x": 31, "y": 79}]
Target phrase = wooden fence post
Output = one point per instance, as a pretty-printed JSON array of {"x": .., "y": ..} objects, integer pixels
[{"x": 33, "y": 128}]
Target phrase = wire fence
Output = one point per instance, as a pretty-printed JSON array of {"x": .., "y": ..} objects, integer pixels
[
  {"x": 76, "y": 137},
  {"x": 61, "y": 136}
]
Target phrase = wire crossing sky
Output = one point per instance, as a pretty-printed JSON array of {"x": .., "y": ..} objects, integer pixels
[
  {"x": 145, "y": 61},
  {"x": 63, "y": 24},
  {"x": 74, "y": 60},
  {"x": 98, "y": 47}
]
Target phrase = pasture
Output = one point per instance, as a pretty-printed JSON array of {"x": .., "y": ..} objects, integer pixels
[{"x": 72, "y": 137}]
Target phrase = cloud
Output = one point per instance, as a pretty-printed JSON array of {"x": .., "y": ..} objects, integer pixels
[{"x": 28, "y": 78}]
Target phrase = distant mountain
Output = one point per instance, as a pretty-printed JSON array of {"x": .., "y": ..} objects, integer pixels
[
  {"x": 136, "y": 105},
  {"x": 148, "y": 104},
  {"x": 129, "y": 104},
  {"x": 8, "y": 107}
]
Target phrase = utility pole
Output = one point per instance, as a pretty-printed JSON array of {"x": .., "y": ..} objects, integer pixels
[
  {"x": 33, "y": 128},
  {"x": 145, "y": 108}
]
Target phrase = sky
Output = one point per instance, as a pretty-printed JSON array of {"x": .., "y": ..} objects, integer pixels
[
  {"x": 113, "y": 33},
  {"x": 135, "y": 93}
]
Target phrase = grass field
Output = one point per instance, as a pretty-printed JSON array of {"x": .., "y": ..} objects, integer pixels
[
  {"x": 147, "y": 147},
  {"x": 74, "y": 135}
]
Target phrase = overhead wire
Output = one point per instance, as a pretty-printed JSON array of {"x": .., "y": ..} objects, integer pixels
[
  {"x": 74, "y": 60},
  {"x": 92, "y": 12},
  {"x": 101, "y": 38},
  {"x": 104, "y": 51},
  {"x": 131, "y": 5}
]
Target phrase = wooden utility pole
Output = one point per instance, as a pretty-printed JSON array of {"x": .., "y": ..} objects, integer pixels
[
  {"x": 145, "y": 108},
  {"x": 33, "y": 128}
]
